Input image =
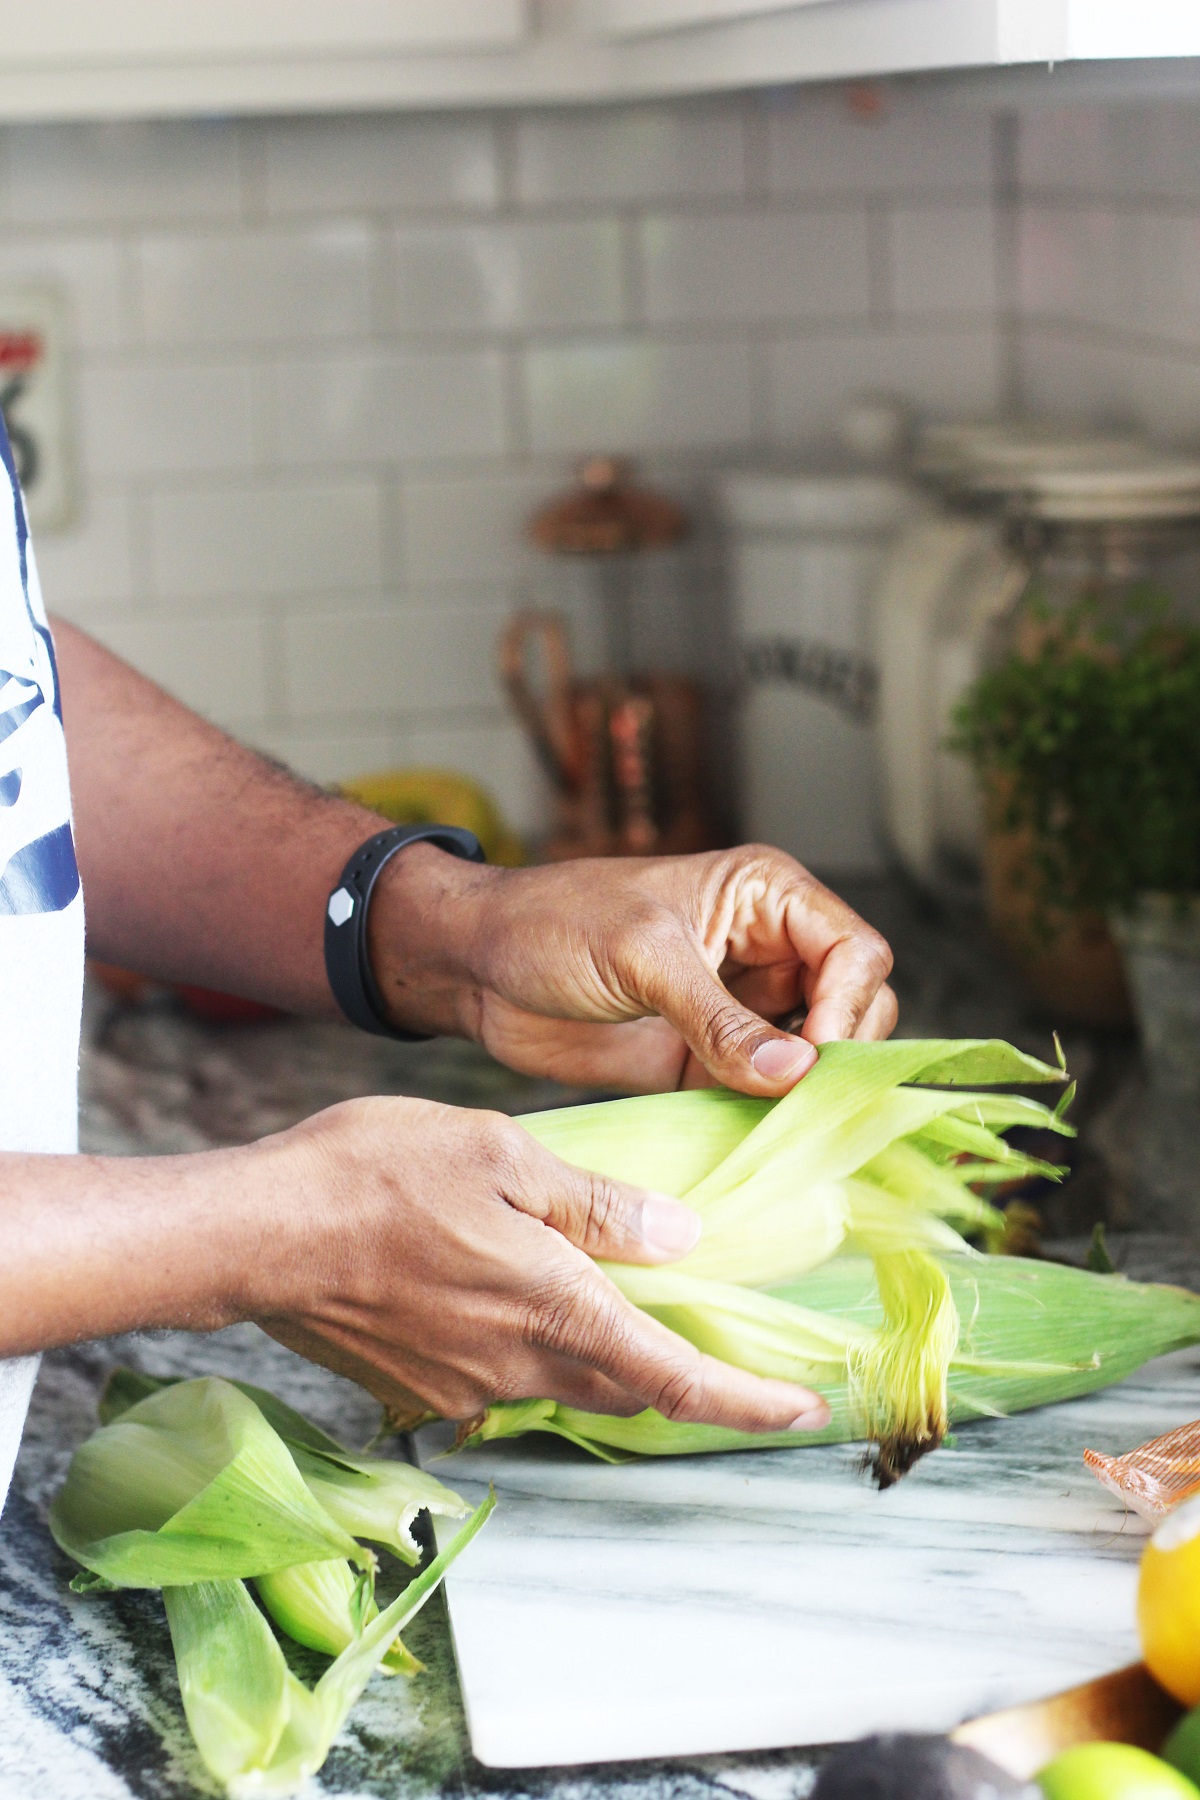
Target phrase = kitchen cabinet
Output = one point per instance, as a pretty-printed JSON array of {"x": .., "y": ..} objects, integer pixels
[{"x": 113, "y": 58}]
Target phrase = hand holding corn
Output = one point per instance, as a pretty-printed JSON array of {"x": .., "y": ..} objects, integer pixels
[
  {"x": 645, "y": 975},
  {"x": 441, "y": 1257},
  {"x": 432, "y": 1253}
]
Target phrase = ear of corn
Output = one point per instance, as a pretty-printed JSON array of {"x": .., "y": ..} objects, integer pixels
[
  {"x": 325, "y": 1606},
  {"x": 769, "y": 1178},
  {"x": 626, "y": 1139},
  {"x": 1029, "y": 1334},
  {"x": 882, "y": 1149}
]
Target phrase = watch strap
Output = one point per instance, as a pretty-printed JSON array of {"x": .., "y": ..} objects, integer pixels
[{"x": 347, "y": 962}]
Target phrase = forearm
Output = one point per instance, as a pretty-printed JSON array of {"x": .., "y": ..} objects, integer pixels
[
  {"x": 91, "y": 1246},
  {"x": 201, "y": 860}
]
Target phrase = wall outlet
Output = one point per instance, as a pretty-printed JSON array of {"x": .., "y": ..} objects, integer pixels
[{"x": 34, "y": 355}]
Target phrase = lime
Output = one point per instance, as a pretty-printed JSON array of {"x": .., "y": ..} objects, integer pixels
[
  {"x": 1113, "y": 1772},
  {"x": 1182, "y": 1748}
]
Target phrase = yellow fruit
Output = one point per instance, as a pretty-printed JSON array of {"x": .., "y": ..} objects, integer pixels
[
  {"x": 438, "y": 797},
  {"x": 1168, "y": 1604},
  {"x": 1113, "y": 1772}
]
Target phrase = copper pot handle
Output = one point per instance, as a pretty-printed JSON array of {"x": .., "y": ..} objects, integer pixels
[{"x": 546, "y": 717}]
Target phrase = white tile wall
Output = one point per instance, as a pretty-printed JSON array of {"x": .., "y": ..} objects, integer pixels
[
  {"x": 387, "y": 660},
  {"x": 87, "y": 174},
  {"x": 326, "y": 368},
  {"x": 91, "y": 570},
  {"x": 507, "y": 277},
  {"x": 613, "y": 155},
  {"x": 639, "y": 393},
  {"x": 752, "y": 266},
  {"x": 377, "y": 162},
  {"x": 943, "y": 371},
  {"x": 1148, "y": 150},
  {"x": 886, "y": 141},
  {"x": 141, "y": 419},
  {"x": 468, "y": 531},
  {"x": 943, "y": 259},
  {"x": 384, "y": 405},
  {"x": 224, "y": 655},
  {"x": 1109, "y": 265},
  {"x": 258, "y": 286},
  {"x": 255, "y": 541}
]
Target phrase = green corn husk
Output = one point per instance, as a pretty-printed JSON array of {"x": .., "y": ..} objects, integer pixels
[
  {"x": 258, "y": 1728},
  {"x": 189, "y": 1487},
  {"x": 878, "y": 1151},
  {"x": 1030, "y": 1334},
  {"x": 376, "y": 1498},
  {"x": 769, "y": 1179},
  {"x": 325, "y": 1605},
  {"x": 191, "y": 1484}
]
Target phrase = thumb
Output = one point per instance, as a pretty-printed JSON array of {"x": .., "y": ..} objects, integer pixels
[
  {"x": 608, "y": 1219},
  {"x": 737, "y": 1047}
]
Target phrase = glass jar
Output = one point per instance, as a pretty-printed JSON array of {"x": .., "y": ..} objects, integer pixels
[
  {"x": 1113, "y": 559},
  {"x": 1109, "y": 551}
]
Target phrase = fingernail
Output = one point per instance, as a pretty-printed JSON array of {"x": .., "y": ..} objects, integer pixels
[
  {"x": 815, "y": 1419},
  {"x": 668, "y": 1227},
  {"x": 783, "y": 1059}
]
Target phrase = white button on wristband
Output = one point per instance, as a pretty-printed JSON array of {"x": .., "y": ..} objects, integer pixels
[{"x": 347, "y": 963}]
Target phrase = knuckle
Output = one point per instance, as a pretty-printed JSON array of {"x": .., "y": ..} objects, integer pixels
[
  {"x": 504, "y": 1148},
  {"x": 603, "y": 1214},
  {"x": 876, "y": 954},
  {"x": 724, "y": 1031},
  {"x": 562, "y": 1313},
  {"x": 681, "y": 1393},
  {"x": 647, "y": 935}
]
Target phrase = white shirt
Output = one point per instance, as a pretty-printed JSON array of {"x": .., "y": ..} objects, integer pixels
[{"x": 41, "y": 905}]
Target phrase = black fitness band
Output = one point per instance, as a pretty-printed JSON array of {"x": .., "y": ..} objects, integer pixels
[{"x": 347, "y": 963}]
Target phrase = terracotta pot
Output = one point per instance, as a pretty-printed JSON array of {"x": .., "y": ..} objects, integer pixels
[{"x": 1069, "y": 961}]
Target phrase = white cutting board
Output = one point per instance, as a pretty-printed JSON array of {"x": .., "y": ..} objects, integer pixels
[{"x": 774, "y": 1598}]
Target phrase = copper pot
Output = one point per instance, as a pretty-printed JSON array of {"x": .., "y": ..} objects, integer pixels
[{"x": 625, "y": 755}]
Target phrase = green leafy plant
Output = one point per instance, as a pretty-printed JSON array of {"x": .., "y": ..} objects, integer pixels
[{"x": 1088, "y": 741}]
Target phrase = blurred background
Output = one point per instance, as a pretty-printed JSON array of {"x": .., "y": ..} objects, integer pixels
[
  {"x": 317, "y": 373},
  {"x": 626, "y": 427}
]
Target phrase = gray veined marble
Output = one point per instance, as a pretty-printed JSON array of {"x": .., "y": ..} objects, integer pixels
[
  {"x": 89, "y": 1703},
  {"x": 775, "y": 1598},
  {"x": 568, "y": 1615}
]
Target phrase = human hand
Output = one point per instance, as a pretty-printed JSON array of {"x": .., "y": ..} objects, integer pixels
[
  {"x": 646, "y": 974},
  {"x": 442, "y": 1259}
]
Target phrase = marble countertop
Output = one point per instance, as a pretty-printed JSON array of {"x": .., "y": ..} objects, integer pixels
[{"x": 89, "y": 1705}]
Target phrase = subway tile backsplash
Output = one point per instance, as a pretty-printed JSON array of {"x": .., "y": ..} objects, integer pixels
[{"x": 325, "y": 368}]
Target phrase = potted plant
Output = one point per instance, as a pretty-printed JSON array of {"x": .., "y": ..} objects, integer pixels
[{"x": 1086, "y": 737}]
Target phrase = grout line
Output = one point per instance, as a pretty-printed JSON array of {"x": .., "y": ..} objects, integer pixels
[
  {"x": 881, "y": 306},
  {"x": 762, "y": 423},
  {"x": 1006, "y": 239},
  {"x": 756, "y": 149},
  {"x": 504, "y": 152}
]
